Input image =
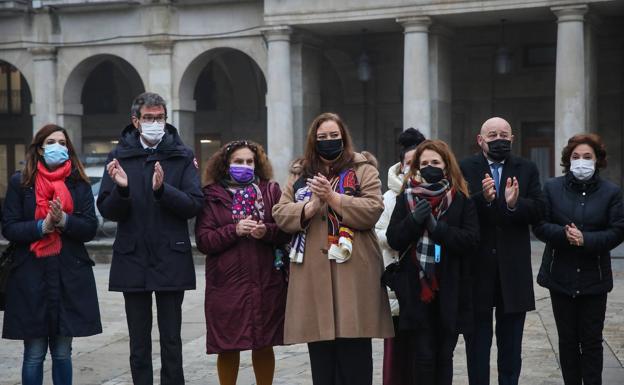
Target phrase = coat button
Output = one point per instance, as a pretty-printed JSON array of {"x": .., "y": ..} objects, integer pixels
[
  {"x": 493, "y": 251},
  {"x": 577, "y": 292},
  {"x": 582, "y": 203},
  {"x": 578, "y": 270},
  {"x": 584, "y": 193}
]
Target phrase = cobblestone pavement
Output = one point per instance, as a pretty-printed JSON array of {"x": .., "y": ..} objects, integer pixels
[{"x": 103, "y": 359}]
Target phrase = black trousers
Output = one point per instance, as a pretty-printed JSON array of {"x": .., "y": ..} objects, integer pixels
[
  {"x": 509, "y": 329},
  {"x": 343, "y": 361},
  {"x": 431, "y": 349},
  {"x": 580, "y": 322},
  {"x": 139, "y": 317}
]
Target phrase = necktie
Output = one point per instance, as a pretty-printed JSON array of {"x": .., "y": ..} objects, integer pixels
[{"x": 496, "y": 175}]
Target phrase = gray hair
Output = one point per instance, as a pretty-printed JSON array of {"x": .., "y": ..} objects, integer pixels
[{"x": 149, "y": 99}]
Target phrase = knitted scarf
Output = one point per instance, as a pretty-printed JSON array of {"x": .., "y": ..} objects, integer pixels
[
  {"x": 246, "y": 200},
  {"x": 440, "y": 196},
  {"x": 48, "y": 186},
  {"x": 297, "y": 244},
  {"x": 340, "y": 237}
]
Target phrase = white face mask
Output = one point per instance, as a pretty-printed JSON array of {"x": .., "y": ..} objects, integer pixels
[
  {"x": 152, "y": 132},
  {"x": 582, "y": 169}
]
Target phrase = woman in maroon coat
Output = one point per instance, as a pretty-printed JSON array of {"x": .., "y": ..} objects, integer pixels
[{"x": 245, "y": 282}]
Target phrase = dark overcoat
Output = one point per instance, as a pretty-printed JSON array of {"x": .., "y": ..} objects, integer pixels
[
  {"x": 245, "y": 295},
  {"x": 457, "y": 233},
  {"x": 502, "y": 265},
  {"x": 54, "y": 295},
  {"x": 152, "y": 249},
  {"x": 595, "y": 207}
]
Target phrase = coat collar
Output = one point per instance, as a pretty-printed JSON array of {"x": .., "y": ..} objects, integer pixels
[
  {"x": 129, "y": 145},
  {"x": 395, "y": 180}
]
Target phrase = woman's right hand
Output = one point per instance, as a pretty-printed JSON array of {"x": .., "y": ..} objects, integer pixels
[{"x": 312, "y": 207}]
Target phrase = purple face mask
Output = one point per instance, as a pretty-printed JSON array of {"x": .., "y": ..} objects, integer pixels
[{"x": 241, "y": 173}]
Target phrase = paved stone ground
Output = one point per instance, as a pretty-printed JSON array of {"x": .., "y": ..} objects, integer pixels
[{"x": 103, "y": 359}]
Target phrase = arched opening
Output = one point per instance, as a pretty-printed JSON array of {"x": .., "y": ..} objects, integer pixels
[
  {"x": 228, "y": 89},
  {"x": 97, "y": 100},
  {"x": 15, "y": 122}
]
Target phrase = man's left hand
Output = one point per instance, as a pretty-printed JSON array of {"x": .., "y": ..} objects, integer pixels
[
  {"x": 158, "y": 178},
  {"x": 512, "y": 190}
]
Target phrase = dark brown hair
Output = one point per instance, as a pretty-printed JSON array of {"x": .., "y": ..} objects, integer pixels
[
  {"x": 312, "y": 160},
  {"x": 592, "y": 140},
  {"x": 32, "y": 155},
  {"x": 453, "y": 172},
  {"x": 219, "y": 163}
]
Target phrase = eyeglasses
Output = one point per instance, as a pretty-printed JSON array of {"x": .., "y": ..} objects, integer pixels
[{"x": 152, "y": 118}]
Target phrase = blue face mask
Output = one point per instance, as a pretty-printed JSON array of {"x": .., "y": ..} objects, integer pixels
[{"x": 55, "y": 154}]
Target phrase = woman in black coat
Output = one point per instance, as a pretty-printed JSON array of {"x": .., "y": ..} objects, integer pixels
[
  {"x": 435, "y": 228},
  {"x": 584, "y": 220},
  {"x": 51, "y": 295}
]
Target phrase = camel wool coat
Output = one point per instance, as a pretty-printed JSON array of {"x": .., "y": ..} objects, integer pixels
[{"x": 327, "y": 300}]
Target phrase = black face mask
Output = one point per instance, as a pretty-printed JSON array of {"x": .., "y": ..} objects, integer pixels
[
  {"x": 432, "y": 174},
  {"x": 329, "y": 149},
  {"x": 499, "y": 149}
]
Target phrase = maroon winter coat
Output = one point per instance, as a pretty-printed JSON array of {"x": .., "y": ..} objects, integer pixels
[{"x": 245, "y": 295}]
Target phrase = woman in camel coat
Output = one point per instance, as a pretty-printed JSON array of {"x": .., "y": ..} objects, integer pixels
[{"x": 335, "y": 302}]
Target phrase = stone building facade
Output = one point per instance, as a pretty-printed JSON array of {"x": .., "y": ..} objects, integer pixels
[{"x": 262, "y": 70}]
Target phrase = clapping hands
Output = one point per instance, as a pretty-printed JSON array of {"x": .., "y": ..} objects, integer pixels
[
  {"x": 248, "y": 226},
  {"x": 574, "y": 235}
]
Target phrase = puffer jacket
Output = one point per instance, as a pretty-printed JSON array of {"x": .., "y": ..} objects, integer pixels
[
  {"x": 395, "y": 183},
  {"x": 595, "y": 207}
]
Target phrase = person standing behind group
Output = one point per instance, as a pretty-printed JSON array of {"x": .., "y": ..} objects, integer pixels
[
  {"x": 151, "y": 188},
  {"x": 245, "y": 284},
  {"x": 335, "y": 300},
  {"x": 51, "y": 295},
  {"x": 396, "y": 361},
  {"x": 435, "y": 228},
  {"x": 506, "y": 191},
  {"x": 584, "y": 220}
]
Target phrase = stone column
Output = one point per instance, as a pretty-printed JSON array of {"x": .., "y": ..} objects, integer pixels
[
  {"x": 44, "y": 106},
  {"x": 591, "y": 72},
  {"x": 70, "y": 118},
  {"x": 306, "y": 87},
  {"x": 183, "y": 118},
  {"x": 416, "y": 93},
  {"x": 279, "y": 100},
  {"x": 440, "y": 82},
  {"x": 570, "y": 86}
]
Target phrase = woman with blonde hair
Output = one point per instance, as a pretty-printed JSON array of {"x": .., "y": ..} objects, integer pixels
[{"x": 434, "y": 227}]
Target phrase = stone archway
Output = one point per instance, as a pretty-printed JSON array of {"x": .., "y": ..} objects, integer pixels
[
  {"x": 96, "y": 101},
  {"x": 227, "y": 90}
]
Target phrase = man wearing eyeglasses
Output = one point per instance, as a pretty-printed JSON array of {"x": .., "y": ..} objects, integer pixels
[
  {"x": 151, "y": 187},
  {"x": 507, "y": 193}
]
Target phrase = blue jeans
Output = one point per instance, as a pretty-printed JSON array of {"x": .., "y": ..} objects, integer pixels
[{"x": 35, "y": 351}]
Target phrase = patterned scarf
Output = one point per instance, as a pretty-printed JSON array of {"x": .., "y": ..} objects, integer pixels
[
  {"x": 440, "y": 196},
  {"x": 297, "y": 245},
  {"x": 48, "y": 186},
  {"x": 246, "y": 201},
  {"x": 340, "y": 237}
]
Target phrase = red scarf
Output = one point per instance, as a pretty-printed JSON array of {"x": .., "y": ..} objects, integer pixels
[{"x": 48, "y": 186}]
